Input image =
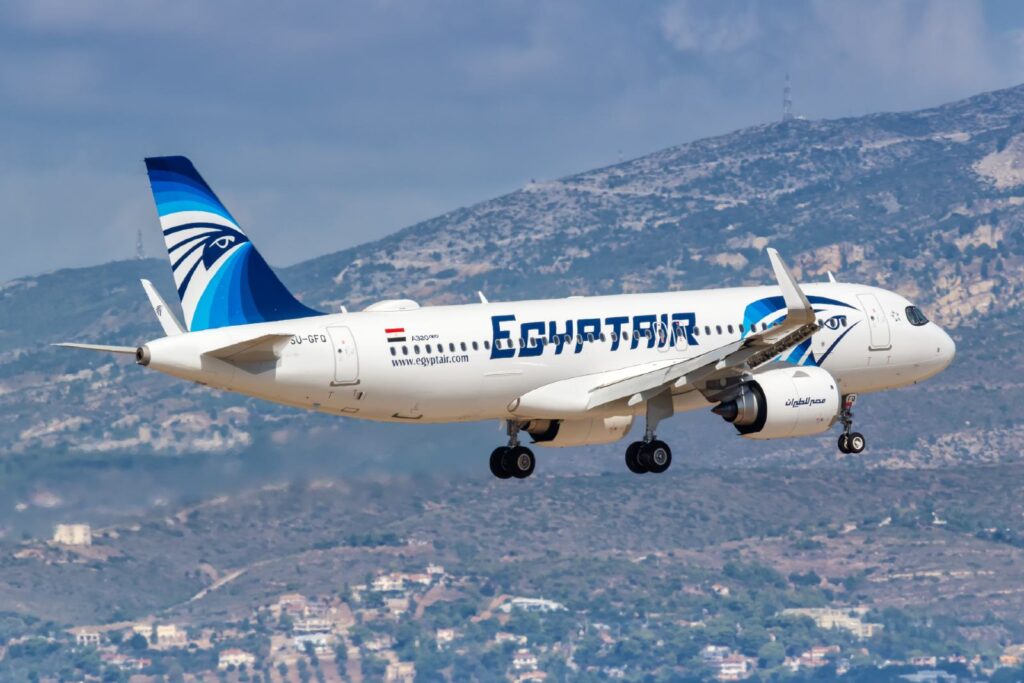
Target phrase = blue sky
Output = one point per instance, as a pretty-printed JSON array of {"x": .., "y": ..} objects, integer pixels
[{"x": 325, "y": 124}]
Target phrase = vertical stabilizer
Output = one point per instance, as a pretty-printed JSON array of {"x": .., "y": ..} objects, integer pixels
[{"x": 221, "y": 279}]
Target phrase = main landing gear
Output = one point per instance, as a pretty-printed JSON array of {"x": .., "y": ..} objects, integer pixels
[
  {"x": 652, "y": 454},
  {"x": 850, "y": 442},
  {"x": 512, "y": 460}
]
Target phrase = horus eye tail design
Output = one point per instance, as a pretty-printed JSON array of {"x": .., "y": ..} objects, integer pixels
[{"x": 221, "y": 279}]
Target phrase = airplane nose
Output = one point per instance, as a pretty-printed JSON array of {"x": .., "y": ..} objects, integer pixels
[{"x": 946, "y": 348}]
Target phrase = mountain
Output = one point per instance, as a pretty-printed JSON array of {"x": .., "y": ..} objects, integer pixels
[{"x": 930, "y": 203}]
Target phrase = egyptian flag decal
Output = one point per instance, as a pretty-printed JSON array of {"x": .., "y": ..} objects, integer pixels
[{"x": 395, "y": 334}]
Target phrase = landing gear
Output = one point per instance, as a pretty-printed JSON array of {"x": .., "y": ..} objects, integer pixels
[
  {"x": 512, "y": 460},
  {"x": 850, "y": 442},
  {"x": 651, "y": 454}
]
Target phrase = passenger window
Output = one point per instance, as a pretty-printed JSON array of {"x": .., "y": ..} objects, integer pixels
[
  {"x": 590, "y": 336},
  {"x": 487, "y": 345},
  {"x": 476, "y": 347},
  {"x": 405, "y": 350},
  {"x": 602, "y": 336},
  {"x": 451, "y": 347},
  {"x": 416, "y": 349},
  {"x": 696, "y": 331},
  {"x": 842, "y": 321},
  {"x": 741, "y": 328},
  {"x": 718, "y": 329},
  {"x": 625, "y": 336},
  {"x": 462, "y": 345},
  {"x": 428, "y": 348},
  {"x": 730, "y": 329},
  {"x": 568, "y": 338},
  {"x": 393, "y": 351},
  {"x": 707, "y": 330}
]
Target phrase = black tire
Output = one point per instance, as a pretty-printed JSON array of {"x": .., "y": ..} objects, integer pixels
[
  {"x": 497, "y": 469},
  {"x": 632, "y": 463},
  {"x": 659, "y": 455},
  {"x": 857, "y": 442},
  {"x": 520, "y": 462},
  {"x": 844, "y": 446}
]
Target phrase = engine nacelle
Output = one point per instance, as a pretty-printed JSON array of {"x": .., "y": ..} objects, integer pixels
[
  {"x": 562, "y": 433},
  {"x": 783, "y": 402}
]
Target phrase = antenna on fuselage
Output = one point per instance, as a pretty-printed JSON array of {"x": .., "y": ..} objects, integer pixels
[
  {"x": 831, "y": 277},
  {"x": 483, "y": 299}
]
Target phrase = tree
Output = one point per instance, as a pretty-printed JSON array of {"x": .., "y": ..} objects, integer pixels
[{"x": 138, "y": 642}]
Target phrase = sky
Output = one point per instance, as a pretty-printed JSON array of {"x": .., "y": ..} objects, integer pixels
[{"x": 323, "y": 124}]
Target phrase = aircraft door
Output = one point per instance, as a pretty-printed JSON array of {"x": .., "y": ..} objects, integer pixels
[
  {"x": 877, "y": 322},
  {"x": 346, "y": 360}
]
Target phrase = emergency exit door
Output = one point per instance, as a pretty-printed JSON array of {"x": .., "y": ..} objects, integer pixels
[{"x": 346, "y": 360}]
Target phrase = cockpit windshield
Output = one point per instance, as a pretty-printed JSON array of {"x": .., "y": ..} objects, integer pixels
[{"x": 915, "y": 316}]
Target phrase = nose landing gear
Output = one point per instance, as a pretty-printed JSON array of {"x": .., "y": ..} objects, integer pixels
[
  {"x": 512, "y": 460},
  {"x": 850, "y": 442}
]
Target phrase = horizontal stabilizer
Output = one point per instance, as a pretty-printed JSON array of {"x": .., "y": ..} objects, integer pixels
[
  {"x": 99, "y": 347},
  {"x": 266, "y": 347}
]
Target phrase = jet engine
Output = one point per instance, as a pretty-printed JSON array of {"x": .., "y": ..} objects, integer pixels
[
  {"x": 562, "y": 433},
  {"x": 782, "y": 402}
]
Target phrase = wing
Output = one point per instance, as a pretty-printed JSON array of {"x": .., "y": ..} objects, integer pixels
[{"x": 713, "y": 373}]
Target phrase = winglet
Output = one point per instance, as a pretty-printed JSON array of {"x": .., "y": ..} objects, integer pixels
[
  {"x": 798, "y": 308},
  {"x": 163, "y": 314}
]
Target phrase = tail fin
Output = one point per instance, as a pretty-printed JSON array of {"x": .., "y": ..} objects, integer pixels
[{"x": 222, "y": 280}]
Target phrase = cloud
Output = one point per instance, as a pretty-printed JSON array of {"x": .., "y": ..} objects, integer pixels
[{"x": 691, "y": 27}]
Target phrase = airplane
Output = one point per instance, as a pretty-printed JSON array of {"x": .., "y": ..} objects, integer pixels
[{"x": 778, "y": 361}]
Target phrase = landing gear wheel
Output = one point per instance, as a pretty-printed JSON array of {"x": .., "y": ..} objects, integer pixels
[
  {"x": 844, "y": 443},
  {"x": 632, "y": 462},
  {"x": 497, "y": 469},
  {"x": 519, "y": 462},
  {"x": 657, "y": 456},
  {"x": 856, "y": 442}
]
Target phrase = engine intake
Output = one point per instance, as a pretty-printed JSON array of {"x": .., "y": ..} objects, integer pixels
[{"x": 782, "y": 402}]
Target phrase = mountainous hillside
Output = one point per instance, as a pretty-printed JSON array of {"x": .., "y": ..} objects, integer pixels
[{"x": 930, "y": 203}]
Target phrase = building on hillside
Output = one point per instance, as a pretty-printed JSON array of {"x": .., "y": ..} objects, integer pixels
[
  {"x": 400, "y": 672},
  {"x": 524, "y": 660},
  {"x": 420, "y": 578},
  {"x": 381, "y": 641},
  {"x": 502, "y": 637},
  {"x": 319, "y": 642},
  {"x": 397, "y": 606},
  {"x": 169, "y": 635},
  {"x": 72, "y": 534},
  {"x": 732, "y": 668},
  {"x": 714, "y": 653},
  {"x": 388, "y": 583},
  {"x": 311, "y": 625},
  {"x": 233, "y": 657},
  {"x": 435, "y": 570},
  {"x": 721, "y": 590},
  {"x": 532, "y": 605},
  {"x": 924, "y": 661},
  {"x": 124, "y": 662},
  {"x": 531, "y": 677},
  {"x": 830, "y": 617},
  {"x": 445, "y": 636},
  {"x": 87, "y": 638}
]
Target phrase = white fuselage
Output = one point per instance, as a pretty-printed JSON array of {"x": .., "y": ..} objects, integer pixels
[{"x": 454, "y": 363}]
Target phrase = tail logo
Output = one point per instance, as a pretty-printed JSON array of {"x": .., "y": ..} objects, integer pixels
[{"x": 195, "y": 244}]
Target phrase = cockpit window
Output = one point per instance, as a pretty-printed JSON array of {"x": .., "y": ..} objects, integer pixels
[{"x": 915, "y": 316}]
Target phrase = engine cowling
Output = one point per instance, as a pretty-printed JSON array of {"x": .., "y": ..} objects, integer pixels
[
  {"x": 783, "y": 402},
  {"x": 563, "y": 433}
]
